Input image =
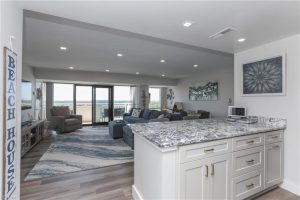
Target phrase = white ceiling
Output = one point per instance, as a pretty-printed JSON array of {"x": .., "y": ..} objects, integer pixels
[
  {"x": 146, "y": 32},
  {"x": 258, "y": 21}
]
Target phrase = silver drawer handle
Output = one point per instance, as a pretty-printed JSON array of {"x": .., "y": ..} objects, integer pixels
[
  {"x": 250, "y": 185},
  {"x": 208, "y": 150},
  {"x": 250, "y": 142},
  {"x": 250, "y": 161},
  {"x": 275, "y": 146},
  {"x": 274, "y": 137}
]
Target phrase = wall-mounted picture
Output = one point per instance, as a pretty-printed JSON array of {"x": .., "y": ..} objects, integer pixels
[
  {"x": 205, "y": 92},
  {"x": 170, "y": 98},
  {"x": 265, "y": 77}
]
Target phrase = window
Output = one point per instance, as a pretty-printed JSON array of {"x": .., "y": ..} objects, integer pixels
[
  {"x": 154, "y": 98},
  {"x": 63, "y": 95},
  {"x": 122, "y": 101}
]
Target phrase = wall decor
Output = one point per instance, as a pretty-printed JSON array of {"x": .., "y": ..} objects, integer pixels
[
  {"x": 264, "y": 77},
  {"x": 170, "y": 98},
  {"x": 205, "y": 92},
  {"x": 10, "y": 123}
]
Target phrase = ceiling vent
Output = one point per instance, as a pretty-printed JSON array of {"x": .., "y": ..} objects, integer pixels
[{"x": 222, "y": 33}]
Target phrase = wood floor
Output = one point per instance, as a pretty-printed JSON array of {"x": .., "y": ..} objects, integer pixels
[{"x": 108, "y": 183}]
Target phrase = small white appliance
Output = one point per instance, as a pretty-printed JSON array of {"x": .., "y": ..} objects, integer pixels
[{"x": 237, "y": 112}]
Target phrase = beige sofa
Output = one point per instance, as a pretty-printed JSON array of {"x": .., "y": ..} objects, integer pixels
[{"x": 62, "y": 121}]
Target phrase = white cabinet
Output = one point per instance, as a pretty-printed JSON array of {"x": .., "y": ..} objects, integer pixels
[
  {"x": 193, "y": 180},
  {"x": 273, "y": 164},
  {"x": 220, "y": 177},
  {"x": 206, "y": 179},
  {"x": 234, "y": 168}
]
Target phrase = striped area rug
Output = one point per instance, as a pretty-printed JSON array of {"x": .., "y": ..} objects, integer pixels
[{"x": 87, "y": 148}]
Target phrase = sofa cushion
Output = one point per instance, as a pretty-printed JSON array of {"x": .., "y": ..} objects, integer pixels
[
  {"x": 136, "y": 112},
  {"x": 146, "y": 113},
  {"x": 72, "y": 121},
  {"x": 132, "y": 120},
  {"x": 60, "y": 111},
  {"x": 154, "y": 114}
]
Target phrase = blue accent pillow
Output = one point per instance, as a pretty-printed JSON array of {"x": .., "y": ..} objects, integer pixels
[
  {"x": 146, "y": 113},
  {"x": 154, "y": 114}
]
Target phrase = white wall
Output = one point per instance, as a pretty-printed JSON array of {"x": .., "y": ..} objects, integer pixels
[
  {"x": 11, "y": 24},
  {"x": 286, "y": 107},
  {"x": 218, "y": 108},
  {"x": 27, "y": 74},
  {"x": 100, "y": 77}
]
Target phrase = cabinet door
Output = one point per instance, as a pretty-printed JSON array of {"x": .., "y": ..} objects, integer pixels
[
  {"x": 193, "y": 182},
  {"x": 273, "y": 164},
  {"x": 220, "y": 174}
]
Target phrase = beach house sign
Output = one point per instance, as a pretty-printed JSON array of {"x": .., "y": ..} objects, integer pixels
[{"x": 10, "y": 123}]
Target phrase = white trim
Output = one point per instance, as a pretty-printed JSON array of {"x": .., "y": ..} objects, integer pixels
[
  {"x": 284, "y": 78},
  {"x": 136, "y": 194},
  {"x": 291, "y": 187}
]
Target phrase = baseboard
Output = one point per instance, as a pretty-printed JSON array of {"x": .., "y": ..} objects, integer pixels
[
  {"x": 136, "y": 194},
  {"x": 290, "y": 186}
]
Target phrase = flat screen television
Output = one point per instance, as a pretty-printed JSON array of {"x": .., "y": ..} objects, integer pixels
[{"x": 26, "y": 94}]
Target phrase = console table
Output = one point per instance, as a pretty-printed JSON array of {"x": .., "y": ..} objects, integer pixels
[{"x": 31, "y": 135}]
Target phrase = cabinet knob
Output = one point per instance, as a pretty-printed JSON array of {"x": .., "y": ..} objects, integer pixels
[
  {"x": 206, "y": 171},
  {"x": 249, "y": 185},
  {"x": 212, "y": 169},
  {"x": 208, "y": 150},
  {"x": 249, "y": 161},
  {"x": 250, "y": 142}
]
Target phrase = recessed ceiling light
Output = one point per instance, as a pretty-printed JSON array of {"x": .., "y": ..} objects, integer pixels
[
  {"x": 187, "y": 23},
  {"x": 107, "y": 70},
  {"x": 162, "y": 61},
  {"x": 63, "y": 48},
  {"x": 163, "y": 75},
  {"x": 137, "y": 73},
  {"x": 119, "y": 54},
  {"x": 195, "y": 65},
  {"x": 241, "y": 40},
  {"x": 71, "y": 67}
]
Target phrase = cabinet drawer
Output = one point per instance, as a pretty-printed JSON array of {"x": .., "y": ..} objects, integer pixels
[
  {"x": 274, "y": 136},
  {"x": 249, "y": 141},
  {"x": 247, "y": 185},
  {"x": 247, "y": 160},
  {"x": 203, "y": 150}
]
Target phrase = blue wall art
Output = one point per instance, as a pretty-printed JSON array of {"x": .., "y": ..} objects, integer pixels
[
  {"x": 265, "y": 77},
  {"x": 206, "y": 92}
]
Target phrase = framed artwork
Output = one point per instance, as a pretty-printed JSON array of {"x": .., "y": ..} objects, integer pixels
[
  {"x": 170, "y": 98},
  {"x": 264, "y": 77},
  {"x": 204, "y": 92}
]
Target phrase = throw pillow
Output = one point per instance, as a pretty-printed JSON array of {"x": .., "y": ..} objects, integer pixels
[
  {"x": 136, "y": 112},
  {"x": 161, "y": 116}
]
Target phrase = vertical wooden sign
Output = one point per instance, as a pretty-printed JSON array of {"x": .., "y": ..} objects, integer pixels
[{"x": 10, "y": 123}]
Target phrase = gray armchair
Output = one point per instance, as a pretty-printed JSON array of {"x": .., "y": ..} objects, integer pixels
[{"x": 62, "y": 121}]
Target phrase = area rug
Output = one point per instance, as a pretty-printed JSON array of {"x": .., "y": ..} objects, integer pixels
[{"x": 87, "y": 148}]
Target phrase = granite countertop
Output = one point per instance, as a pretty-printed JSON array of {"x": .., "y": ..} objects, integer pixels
[{"x": 177, "y": 133}]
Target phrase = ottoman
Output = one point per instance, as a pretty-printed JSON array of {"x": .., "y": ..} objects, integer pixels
[
  {"x": 128, "y": 136},
  {"x": 116, "y": 128}
]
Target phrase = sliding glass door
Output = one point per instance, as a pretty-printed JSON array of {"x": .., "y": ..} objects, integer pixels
[
  {"x": 84, "y": 103},
  {"x": 102, "y": 104},
  {"x": 94, "y": 103}
]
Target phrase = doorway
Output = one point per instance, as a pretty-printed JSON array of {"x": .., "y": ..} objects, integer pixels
[{"x": 94, "y": 103}]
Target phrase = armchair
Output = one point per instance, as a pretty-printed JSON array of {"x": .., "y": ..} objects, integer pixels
[{"x": 62, "y": 121}]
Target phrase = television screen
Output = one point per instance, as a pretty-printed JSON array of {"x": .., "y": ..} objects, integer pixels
[{"x": 26, "y": 92}]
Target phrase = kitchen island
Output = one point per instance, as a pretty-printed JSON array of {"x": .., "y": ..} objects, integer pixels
[{"x": 207, "y": 159}]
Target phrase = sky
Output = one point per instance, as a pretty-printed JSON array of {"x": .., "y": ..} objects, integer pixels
[{"x": 64, "y": 92}]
